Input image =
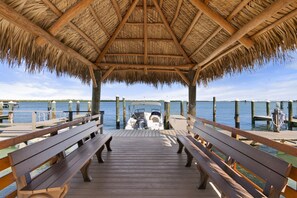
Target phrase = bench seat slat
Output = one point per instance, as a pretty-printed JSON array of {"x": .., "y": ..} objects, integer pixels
[
  {"x": 65, "y": 169},
  {"x": 223, "y": 180},
  {"x": 226, "y": 146},
  {"x": 33, "y": 161},
  {"x": 33, "y": 149},
  {"x": 279, "y": 166},
  {"x": 247, "y": 185}
]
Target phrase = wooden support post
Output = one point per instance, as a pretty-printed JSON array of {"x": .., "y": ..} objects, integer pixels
[
  {"x": 237, "y": 119},
  {"x": 124, "y": 113},
  {"x": 253, "y": 113},
  {"x": 182, "y": 109},
  {"x": 89, "y": 106},
  {"x": 117, "y": 112},
  {"x": 268, "y": 111},
  {"x": 290, "y": 112},
  {"x": 275, "y": 118},
  {"x": 214, "y": 109},
  {"x": 192, "y": 95},
  {"x": 33, "y": 121},
  {"x": 167, "y": 114},
  {"x": 53, "y": 109},
  {"x": 77, "y": 107},
  {"x": 96, "y": 93}
]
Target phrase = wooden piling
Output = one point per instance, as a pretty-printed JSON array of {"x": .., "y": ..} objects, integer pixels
[
  {"x": 167, "y": 114},
  {"x": 182, "y": 108},
  {"x": 268, "y": 111},
  {"x": 281, "y": 105},
  {"x": 77, "y": 107},
  {"x": 53, "y": 110},
  {"x": 1, "y": 110},
  {"x": 253, "y": 113},
  {"x": 290, "y": 112},
  {"x": 237, "y": 119},
  {"x": 214, "y": 109},
  {"x": 33, "y": 121},
  {"x": 124, "y": 113},
  {"x": 89, "y": 106},
  {"x": 70, "y": 112},
  {"x": 275, "y": 118},
  {"x": 70, "y": 105},
  {"x": 49, "y": 107},
  {"x": 117, "y": 112}
]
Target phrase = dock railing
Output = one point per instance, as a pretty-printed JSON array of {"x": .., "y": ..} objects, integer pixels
[
  {"x": 291, "y": 188},
  {"x": 7, "y": 181}
]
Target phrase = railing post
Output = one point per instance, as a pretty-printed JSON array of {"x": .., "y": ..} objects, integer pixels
[
  {"x": 290, "y": 117},
  {"x": 89, "y": 106},
  {"x": 268, "y": 111},
  {"x": 253, "y": 113},
  {"x": 53, "y": 109},
  {"x": 237, "y": 119},
  {"x": 101, "y": 121},
  {"x": 214, "y": 109},
  {"x": 10, "y": 113},
  {"x": 49, "y": 107},
  {"x": 33, "y": 121},
  {"x": 124, "y": 112},
  {"x": 117, "y": 112},
  {"x": 182, "y": 109},
  {"x": 77, "y": 107},
  {"x": 167, "y": 114}
]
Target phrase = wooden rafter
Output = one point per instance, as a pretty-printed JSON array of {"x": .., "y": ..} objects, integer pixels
[
  {"x": 145, "y": 33},
  {"x": 142, "y": 66},
  {"x": 150, "y": 70},
  {"x": 196, "y": 76},
  {"x": 161, "y": 3},
  {"x": 260, "y": 18},
  {"x": 220, "y": 21},
  {"x": 185, "y": 36},
  {"x": 117, "y": 9},
  {"x": 229, "y": 18},
  {"x": 66, "y": 18},
  {"x": 149, "y": 55},
  {"x": 141, "y": 39},
  {"x": 178, "y": 46},
  {"x": 95, "y": 16},
  {"x": 107, "y": 73},
  {"x": 117, "y": 31},
  {"x": 25, "y": 24},
  {"x": 141, "y": 24},
  {"x": 55, "y": 10},
  {"x": 185, "y": 79},
  {"x": 179, "y": 4}
]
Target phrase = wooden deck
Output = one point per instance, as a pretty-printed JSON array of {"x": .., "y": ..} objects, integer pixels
[{"x": 142, "y": 164}]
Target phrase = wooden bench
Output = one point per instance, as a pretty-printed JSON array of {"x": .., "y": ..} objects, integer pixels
[
  {"x": 220, "y": 156},
  {"x": 62, "y": 156}
]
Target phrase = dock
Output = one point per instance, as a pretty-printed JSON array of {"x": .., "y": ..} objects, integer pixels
[
  {"x": 142, "y": 164},
  {"x": 268, "y": 118},
  {"x": 178, "y": 122}
]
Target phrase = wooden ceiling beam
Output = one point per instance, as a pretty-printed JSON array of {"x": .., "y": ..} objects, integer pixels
[
  {"x": 141, "y": 39},
  {"x": 25, "y": 24},
  {"x": 178, "y": 46},
  {"x": 66, "y": 18},
  {"x": 161, "y": 3},
  {"x": 256, "y": 21},
  {"x": 196, "y": 76},
  {"x": 95, "y": 16},
  {"x": 185, "y": 36},
  {"x": 107, "y": 73},
  {"x": 118, "y": 65},
  {"x": 116, "y": 32},
  {"x": 141, "y": 24},
  {"x": 179, "y": 4},
  {"x": 185, "y": 79},
  {"x": 149, "y": 55},
  {"x": 55, "y": 10},
  {"x": 117, "y": 9},
  {"x": 150, "y": 70},
  {"x": 145, "y": 40},
  {"x": 240, "y": 6},
  {"x": 221, "y": 21}
]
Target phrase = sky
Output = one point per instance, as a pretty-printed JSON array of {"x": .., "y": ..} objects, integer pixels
[{"x": 272, "y": 81}]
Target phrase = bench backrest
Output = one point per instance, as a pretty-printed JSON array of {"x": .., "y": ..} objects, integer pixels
[
  {"x": 272, "y": 170},
  {"x": 24, "y": 160}
]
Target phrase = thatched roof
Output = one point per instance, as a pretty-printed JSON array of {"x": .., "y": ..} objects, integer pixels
[{"x": 149, "y": 41}]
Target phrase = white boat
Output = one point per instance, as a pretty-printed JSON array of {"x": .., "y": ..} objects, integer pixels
[{"x": 145, "y": 115}]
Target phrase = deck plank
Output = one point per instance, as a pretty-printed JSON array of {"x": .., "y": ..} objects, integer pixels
[{"x": 140, "y": 166}]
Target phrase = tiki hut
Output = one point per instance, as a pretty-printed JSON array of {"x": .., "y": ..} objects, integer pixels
[{"x": 147, "y": 41}]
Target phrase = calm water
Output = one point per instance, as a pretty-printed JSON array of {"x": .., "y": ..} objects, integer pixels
[{"x": 225, "y": 112}]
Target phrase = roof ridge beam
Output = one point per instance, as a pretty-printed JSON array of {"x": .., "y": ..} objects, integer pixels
[
  {"x": 117, "y": 9},
  {"x": 25, "y": 24},
  {"x": 117, "y": 31},
  {"x": 260, "y": 18},
  {"x": 180, "y": 2},
  {"x": 220, "y": 21},
  {"x": 55, "y": 10},
  {"x": 66, "y": 18},
  {"x": 179, "y": 47},
  {"x": 229, "y": 18}
]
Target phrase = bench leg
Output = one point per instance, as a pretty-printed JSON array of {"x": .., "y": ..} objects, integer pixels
[
  {"x": 99, "y": 155},
  {"x": 180, "y": 146},
  {"x": 189, "y": 158},
  {"x": 85, "y": 171},
  {"x": 108, "y": 144},
  {"x": 203, "y": 178}
]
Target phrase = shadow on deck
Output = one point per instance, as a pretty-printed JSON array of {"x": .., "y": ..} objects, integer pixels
[{"x": 142, "y": 166}]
